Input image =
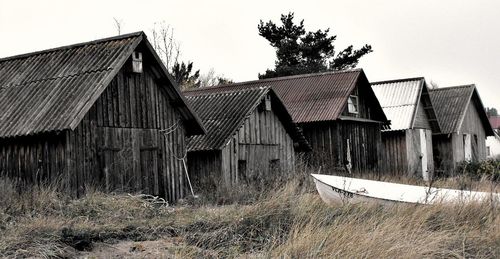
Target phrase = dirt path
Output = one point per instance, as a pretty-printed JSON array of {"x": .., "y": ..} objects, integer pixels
[{"x": 162, "y": 248}]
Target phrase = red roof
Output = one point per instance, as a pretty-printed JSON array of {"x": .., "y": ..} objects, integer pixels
[
  {"x": 495, "y": 122},
  {"x": 311, "y": 97}
]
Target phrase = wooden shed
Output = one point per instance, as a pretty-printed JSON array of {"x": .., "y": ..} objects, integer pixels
[
  {"x": 407, "y": 143},
  {"x": 464, "y": 126},
  {"x": 103, "y": 113},
  {"x": 339, "y": 114},
  {"x": 250, "y": 135},
  {"x": 493, "y": 142}
]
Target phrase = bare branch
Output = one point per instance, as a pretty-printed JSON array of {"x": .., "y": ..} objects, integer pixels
[{"x": 118, "y": 25}]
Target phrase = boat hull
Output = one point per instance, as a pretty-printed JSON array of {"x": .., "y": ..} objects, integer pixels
[{"x": 338, "y": 189}]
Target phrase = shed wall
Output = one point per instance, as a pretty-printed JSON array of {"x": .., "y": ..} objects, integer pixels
[
  {"x": 262, "y": 140},
  {"x": 35, "y": 159},
  {"x": 330, "y": 142},
  {"x": 119, "y": 144},
  {"x": 263, "y": 144}
]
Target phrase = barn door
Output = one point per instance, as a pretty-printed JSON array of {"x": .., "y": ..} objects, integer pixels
[
  {"x": 467, "y": 147},
  {"x": 149, "y": 161},
  {"x": 129, "y": 159},
  {"x": 424, "y": 155}
]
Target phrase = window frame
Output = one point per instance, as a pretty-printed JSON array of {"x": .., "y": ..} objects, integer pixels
[{"x": 355, "y": 104}]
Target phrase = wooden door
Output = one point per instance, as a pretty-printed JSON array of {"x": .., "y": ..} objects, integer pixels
[
  {"x": 149, "y": 161},
  {"x": 467, "y": 147},
  {"x": 128, "y": 159},
  {"x": 424, "y": 155}
]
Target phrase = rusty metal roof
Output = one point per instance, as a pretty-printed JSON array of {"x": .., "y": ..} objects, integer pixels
[
  {"x": 495, "y": 122},
  {"x": 400, "y": 99},
  {"x": 52, "y": 90},
  {"x": 312, "y": 97},
  {"x": 224, "y": 112},
  {"x": 451, "y": 105}
]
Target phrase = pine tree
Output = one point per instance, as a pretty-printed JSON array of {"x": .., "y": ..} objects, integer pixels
[{"x": 300, "y": 52}]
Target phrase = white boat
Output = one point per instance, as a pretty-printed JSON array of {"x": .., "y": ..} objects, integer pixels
[{"x": 335, "y": 189}]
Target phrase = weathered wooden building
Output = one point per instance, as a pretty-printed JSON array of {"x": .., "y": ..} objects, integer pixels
[
  {"x": 493, "y": 142},
  {"x": 102, "y": 113},
  {"x": 250, "y": 135},
  {"x": 407, "y": 143},
  {"x": 338, "y": 112},
  {"x": 464, "y": 126}
]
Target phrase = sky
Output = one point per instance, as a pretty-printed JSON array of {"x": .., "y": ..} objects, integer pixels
[{"x": 449, "y": 42}]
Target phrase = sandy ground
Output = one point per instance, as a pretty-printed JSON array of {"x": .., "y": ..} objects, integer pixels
[{"x": 163, "y": 248}]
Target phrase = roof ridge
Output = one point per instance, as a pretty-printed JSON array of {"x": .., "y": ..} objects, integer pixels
[
  {"x": 399, "y": 105},
  {"x": 279, "y": 78},
  {"x": 398, "y": 80},
  {"x": 454, "y": 87},
  {"x": 228, "y": 91},
  {"x": 76, "y": 45}
]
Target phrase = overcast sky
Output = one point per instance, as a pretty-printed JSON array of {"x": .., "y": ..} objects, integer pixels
[{"x": 449, "y": 42}]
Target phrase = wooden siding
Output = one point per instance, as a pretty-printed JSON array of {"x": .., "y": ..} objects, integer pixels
[
  {"x": 364, "y": 103},
  {"x": 402, "y": 154},
  {"x": 35, "y": 159},
  {"x": 117, "y": 146},
  {"x": 394, "y": 155},
  {"x": 329, "y": 141},
  {"x": 449, "y": 148},
  {"x": 261, "y": 139},
  {"x": 204, "y": 169},
  {"x": 472, "y": 125},
  {"x": 421, "y": 119}
]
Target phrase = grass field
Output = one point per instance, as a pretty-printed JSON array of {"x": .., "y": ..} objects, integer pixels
[{"x": 290, "y": 222}]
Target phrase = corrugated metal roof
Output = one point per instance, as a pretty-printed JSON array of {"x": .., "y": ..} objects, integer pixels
[
  {"x": 51, "y": 90},
  {"x": 224, "y": 112},
  {"x": 311, "y": 97},
  {"x": 399, "y": 100},
  {"x": 451, "y": 104},
  {"x": 495, "y": 122}
]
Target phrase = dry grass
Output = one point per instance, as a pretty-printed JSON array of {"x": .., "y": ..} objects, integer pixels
[{"x": 290, "y": 222}]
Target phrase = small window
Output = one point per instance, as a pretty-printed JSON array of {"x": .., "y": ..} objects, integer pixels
[
  {"x": 352, "y": 104},
  {"x": 265, "y": 105}
]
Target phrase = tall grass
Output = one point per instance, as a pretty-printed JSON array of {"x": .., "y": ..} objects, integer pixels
[{"x": 290, "y": 221}]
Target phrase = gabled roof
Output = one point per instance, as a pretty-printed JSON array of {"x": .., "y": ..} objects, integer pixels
[
  {"x": 52, "y": 90},
  {"x": 495, "y": 122},
  {"x": 312, "y": 97},
  {"x": 451, "y": 105},
  {"x": 223, "y": 113},
  {"x": 400, "y": 100}
]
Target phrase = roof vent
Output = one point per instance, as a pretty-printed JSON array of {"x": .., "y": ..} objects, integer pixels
[{"x": 137, "y": 62}]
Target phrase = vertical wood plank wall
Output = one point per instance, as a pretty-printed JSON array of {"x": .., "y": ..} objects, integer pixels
[
  {"x": 119, "y": 145},
  {"x": 413, "y": 150},
  {"x": 329, "y": 145},
  {"x": 259, "y": 140},
  {"x": 449, "y": 148},
  {"x": 204, "y": 169},
  {"x": 395, "y": 156},
  {"x": 34, "y": 159}
]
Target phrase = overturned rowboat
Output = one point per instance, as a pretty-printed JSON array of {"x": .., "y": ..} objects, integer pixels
[{"x": 333, "y": 189}]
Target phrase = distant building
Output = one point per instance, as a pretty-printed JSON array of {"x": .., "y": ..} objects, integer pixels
[
  {"x": 408, "y": 141},
  {"x": 493, "y": 142},
  {"x": 250, "y": 137},
  {"x": 338, "y": 112},
  {"x": 464, "y": 126},
  {"x": 95, "y": 114}
]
